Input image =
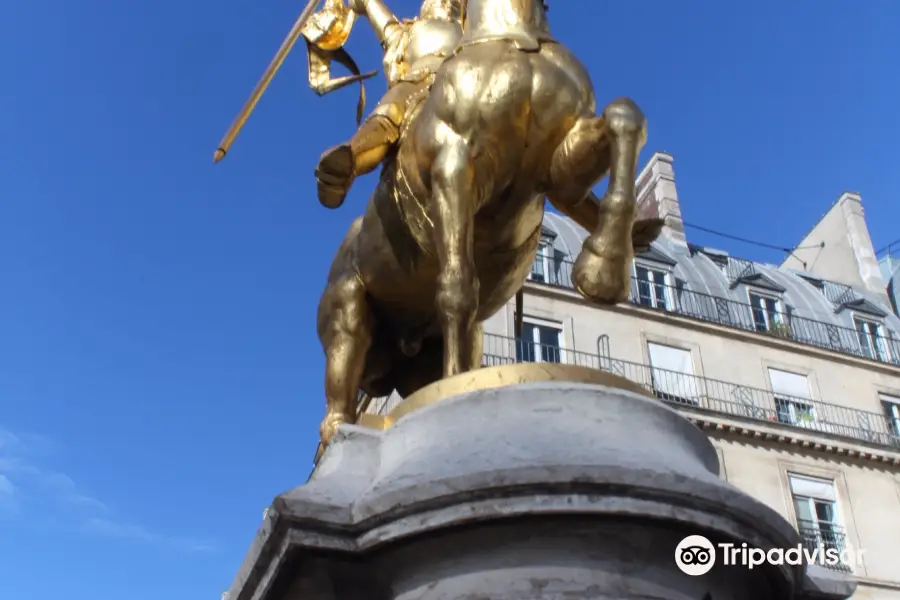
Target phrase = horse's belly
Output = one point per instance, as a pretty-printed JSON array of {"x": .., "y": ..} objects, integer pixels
[
  {"x": 404, "y": 296},
  {"x": 501, "y": 272}
]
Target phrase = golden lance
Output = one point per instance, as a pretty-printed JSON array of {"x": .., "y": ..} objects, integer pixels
[{"x": 286, "y": 46}]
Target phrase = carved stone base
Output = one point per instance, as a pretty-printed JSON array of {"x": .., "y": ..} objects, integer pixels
[{"x": 528, "y": 491}]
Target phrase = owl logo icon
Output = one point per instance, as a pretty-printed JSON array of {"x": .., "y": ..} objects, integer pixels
[{"x": 695, "y": 555}]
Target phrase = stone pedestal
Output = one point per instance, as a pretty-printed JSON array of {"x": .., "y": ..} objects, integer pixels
[{"x": 538, "y": 490}]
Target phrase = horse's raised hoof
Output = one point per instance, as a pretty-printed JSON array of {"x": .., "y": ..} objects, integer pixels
[
  {"x": 601, "y": 273},
  {"x": 330, "y": 424},
  {"x": 644, "y": 232},
  {"x": 334, "y": 175}
]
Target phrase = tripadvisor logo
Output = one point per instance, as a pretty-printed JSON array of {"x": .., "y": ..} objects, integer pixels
[{"x": 695, "y": 555}]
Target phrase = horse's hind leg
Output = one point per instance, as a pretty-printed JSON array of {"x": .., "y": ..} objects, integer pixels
[
  {"x": 453, "y": 216},
  {"x": 345, "y": 330},
  {"x": 602, "y": 271}
]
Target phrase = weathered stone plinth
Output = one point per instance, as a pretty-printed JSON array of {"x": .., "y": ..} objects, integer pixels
[{"x": 529, "y": 491}]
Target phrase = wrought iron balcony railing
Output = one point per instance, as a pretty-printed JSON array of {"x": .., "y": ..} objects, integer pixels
[
  {"x": 711, "y": 395},
  {"x": 557, "y": 272},
  {"x": 700, "y": 394},
  {"x": 829, "y": 543}
]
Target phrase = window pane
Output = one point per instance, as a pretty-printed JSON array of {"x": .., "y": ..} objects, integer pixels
[
  {"x": 539, "y": 343},
  {"x": 645, "y": 296},
  {"x": 537, "y": 267},
  {"x": 824, "y": 511},
  {"x": 549, "y": 338},
  {"x": 759, "y": 319},
  {"x": 525, "y": 346},
  {"x": 865, "y": 342},
  {"x": 893, "y": 414},
  {"x": 785, "y": 411},
  {"x": 772, "y": 311},
  {"x": 660, "y": 292},
  {"x": 804, "y": 511},
  {"x": 758, "y": 312}
]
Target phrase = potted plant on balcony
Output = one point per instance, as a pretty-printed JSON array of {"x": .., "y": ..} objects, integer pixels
[
  {"x": 782, "y": 330},
  {"x": 805, "y": 419}
]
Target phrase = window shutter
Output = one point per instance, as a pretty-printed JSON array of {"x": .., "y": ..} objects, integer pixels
[
  {"x": 810, "y": 487},
  {"x": 673, "y": 371},
  {"x": 789, "y": 384}
]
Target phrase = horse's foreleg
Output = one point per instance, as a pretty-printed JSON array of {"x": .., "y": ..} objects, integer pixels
[
  {"x": 476, "y": 355},
  {"x": 579, "y": 162},
  {"x": 602, "y": 271},
  {"x": 345, "y": 329},
  {"x": 453, "y": 215}
]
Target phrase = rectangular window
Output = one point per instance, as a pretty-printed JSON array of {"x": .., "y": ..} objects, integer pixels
[
  {"x": 539, "y": 343},
  {"x": 672, "y": 370},
  {"x": 815, "y": 504},
  {"x": 892, "y": 410},
  {"x": 871, "y": 340},
  {"x": 541, "y": 270},
  {"x": 793, "y": 401},
  {"x": 652, "y": 288},
  {"x": 766, "y": 311}
]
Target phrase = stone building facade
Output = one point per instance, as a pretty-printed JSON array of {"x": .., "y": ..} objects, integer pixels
[{"x": 793, "y": 370}]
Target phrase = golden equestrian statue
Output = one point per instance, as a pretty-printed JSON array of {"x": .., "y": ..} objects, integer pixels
[{"x": 486, "y": 133}]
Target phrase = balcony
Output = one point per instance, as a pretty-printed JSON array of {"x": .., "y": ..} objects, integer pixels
[
  {"x": 703, "y": 394},
  {"x": 824, "y": 539},
  {"x": 738, "y": 315},
  {"x": 714, "y": 396}
]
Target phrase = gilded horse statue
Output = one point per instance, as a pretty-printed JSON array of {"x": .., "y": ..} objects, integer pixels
[{"x": 450, "y": 232}]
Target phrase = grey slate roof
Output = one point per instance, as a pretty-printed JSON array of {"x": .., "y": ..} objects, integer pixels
[
  {"x": 890, "y": 271},
  {"x": 713, "y": 272}
]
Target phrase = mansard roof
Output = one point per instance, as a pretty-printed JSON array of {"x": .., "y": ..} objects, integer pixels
[{"x": 706, "y": 271}]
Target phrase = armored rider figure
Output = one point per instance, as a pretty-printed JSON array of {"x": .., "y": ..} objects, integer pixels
[{"x": 413, "y": 52}]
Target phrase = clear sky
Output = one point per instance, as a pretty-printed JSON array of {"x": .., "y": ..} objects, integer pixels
[{"x": 160, "y": 376}]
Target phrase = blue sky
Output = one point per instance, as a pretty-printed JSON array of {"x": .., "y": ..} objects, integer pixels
[{"x": 160, "y": 377}]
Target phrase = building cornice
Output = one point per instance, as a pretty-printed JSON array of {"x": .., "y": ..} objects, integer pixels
[{"x": 785, "y": 436}]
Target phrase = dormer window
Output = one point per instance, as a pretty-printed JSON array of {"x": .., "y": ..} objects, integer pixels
[
  {"x": 652, "y": 287},
  {"x": 871, "y": 338},
  {"x": 767, "y": 311},
  {"x": 816, "y": 283},
  {"x": 718, "y": 258},
  {"x": 541, "y": 268}
]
